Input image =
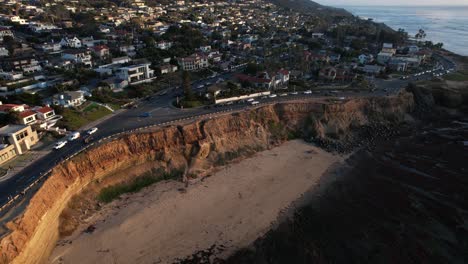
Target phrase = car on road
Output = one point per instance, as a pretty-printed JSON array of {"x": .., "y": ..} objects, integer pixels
[
  {"x": 250, "y": 100},
  {"x": 308, "y": 92},
  {"x": 294, "y": 93},
  {"x": 272, "y": 95},
  {"x": 73, "y": 136},
  {"x": 145, "y": 114},
  {"x": 200, "y": 86},
  {"x": 283, "y": 94},
  {"x": 92, "y": 130},
  {"x": 60, "y": 144},
  {"x": 254, "y": 102}
]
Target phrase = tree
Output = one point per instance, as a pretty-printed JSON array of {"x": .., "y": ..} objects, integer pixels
[{"x": 187, "y": 86}]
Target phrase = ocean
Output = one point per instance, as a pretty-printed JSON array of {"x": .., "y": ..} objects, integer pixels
[{"x": 446, "y": 24}]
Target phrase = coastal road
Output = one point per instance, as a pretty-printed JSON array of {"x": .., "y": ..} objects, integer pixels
[{"x": 160, "y": 111}]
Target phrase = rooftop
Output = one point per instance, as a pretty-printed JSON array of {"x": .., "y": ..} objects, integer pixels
[{"x": 10, "y": 129}]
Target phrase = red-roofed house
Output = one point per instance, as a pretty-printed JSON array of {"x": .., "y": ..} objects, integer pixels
[
  {"x": 27, "y": 117},
  {"x": 45, "y": 113},
  {"x": 6, "y": 108},
  {"x": 101, "y": 51}
]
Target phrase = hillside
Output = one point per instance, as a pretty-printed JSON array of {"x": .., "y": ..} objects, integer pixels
[{"x": 311, "y": 7}]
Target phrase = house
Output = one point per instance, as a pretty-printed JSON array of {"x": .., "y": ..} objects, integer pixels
[
  {"x": 7, "y": 108},
  {"x": 11, "y": 76},
  {"x": 384, "y": 57},
  {"x": 167, "y": 68},
  {"x": 164, "y": 45},
  {"x": 46, "y": 117},
  {"x": 330, "y": 74},
  {"x": 78, "y": 56},
  {"x": 194, "y": 62},
  {"x": 39, "y": 27},
  {"x": 129, "y": 50},
  {"x": 397, "y": 64},
  {"x": 373, "y": 69},
  {"x": 4, "y": 52},
  {"x": 27, "y": 117},
  {"x": 4, "y": 31},
  {"x": 71, "y": 43},
  {"x": 20, "y": 137},
  {"x": 116, "y": 84},
  {"x": 101, "y": 51},
  {"x": 67, "y": 99},
  {"x": 261, "y": 80},
  {"x": 365, "y": 58},
  {"x": 282, "y": 77},
  {"x": 44, "y": 113},
  {"x": 135, "y": 74},
  {"x": 49, "y": 47}
]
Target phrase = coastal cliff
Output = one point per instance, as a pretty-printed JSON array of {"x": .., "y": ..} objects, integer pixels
[{"x": 196, "y": 147}]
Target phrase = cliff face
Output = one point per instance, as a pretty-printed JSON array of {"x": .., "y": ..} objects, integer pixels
[{"x": 197, "y": 146}]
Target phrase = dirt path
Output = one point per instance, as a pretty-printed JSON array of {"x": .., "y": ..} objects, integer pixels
[{"x": 229, "y": 209}]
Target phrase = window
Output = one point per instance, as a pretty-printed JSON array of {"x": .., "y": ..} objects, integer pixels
[{"x": 21, "y": 135}]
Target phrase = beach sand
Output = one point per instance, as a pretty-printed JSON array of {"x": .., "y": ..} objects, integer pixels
[{"x": 229, "y": 209}]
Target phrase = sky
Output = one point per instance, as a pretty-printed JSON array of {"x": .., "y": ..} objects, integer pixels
[{"x": 392, "y": 2}]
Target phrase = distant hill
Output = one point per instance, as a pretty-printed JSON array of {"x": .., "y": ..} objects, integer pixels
[{"x": 311, "y": 7}]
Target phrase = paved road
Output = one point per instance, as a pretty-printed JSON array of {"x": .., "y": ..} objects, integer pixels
[{"x": 161, "y": 111}]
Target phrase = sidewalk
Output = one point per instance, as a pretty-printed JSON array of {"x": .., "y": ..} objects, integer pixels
[{"x": 16, "y": 165}]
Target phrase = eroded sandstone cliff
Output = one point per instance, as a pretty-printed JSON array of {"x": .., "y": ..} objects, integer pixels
[{"x": 197, "y": 146}]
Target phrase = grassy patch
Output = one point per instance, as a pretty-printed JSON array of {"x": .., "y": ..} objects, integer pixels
[
  {"x": 457, "y": 76},
  {"x": 191, "y": 104},
  {"x": 74, "y": 119},
  {"x": 110, "y": 193}
]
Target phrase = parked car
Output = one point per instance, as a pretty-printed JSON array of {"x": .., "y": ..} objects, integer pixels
[
  {"x": 272, "y": 95},
  {"x": 92, "y": 130},
  {"x": 73, "y": 136},
  {"x": 250, "y": 100},
  {"x": 308, "y": 92},
  {"x": 283, "y": 94},
  {"x": 254, "y": 102},
  {"x": 60, "y": 144},
  {"x": 294, "y": 93}
]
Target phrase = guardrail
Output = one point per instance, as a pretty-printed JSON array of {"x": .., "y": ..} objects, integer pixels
[{"x": 44, "y": 175}]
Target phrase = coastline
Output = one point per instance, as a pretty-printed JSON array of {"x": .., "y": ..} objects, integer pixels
[{"x": 258, "y": 191}]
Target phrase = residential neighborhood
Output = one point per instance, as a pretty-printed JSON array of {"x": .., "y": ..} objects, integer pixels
[{"x": 66, "y": 64}]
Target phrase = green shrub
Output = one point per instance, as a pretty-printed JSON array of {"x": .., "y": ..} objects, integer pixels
[{"x": 110, "y": 193}]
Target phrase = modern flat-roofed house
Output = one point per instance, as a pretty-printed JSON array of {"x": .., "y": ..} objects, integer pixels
[
  {"x": 136, "y": 74},
  {"x": 22, "y": 138},
  {"x": 78, "y": 56}
]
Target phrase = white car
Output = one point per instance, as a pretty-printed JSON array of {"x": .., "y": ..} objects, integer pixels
[
  {"x": 272, "y": 95},
  {"x": 60, "y": 144},
  {"x": 284, "y": 94},
  {"x": 254, "y": 102},
  {"x": 294, "y": 93},
  {"x": 92, "y": 130},
  {"x": 250, "y": 100},
  {"x": 200, "y": 86},
  {"x": 73, "y": 136},
  {"x": 308, "y": 92}
]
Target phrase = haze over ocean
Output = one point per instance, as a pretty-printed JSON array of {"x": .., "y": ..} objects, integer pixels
[{"x": 447, "y": 24}]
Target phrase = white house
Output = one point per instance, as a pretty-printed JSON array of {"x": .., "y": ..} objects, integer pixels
[
  {"x": 71, "y": 43},
  {"x": 135, "y": 74},
  {"x": 68, "y": 99},
  {"x": 4, "y": 52},
  {"x": 78, "y": 56},
  {"x": 164, "y": 45}
]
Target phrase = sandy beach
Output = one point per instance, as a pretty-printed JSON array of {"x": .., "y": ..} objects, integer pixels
[{"x": 229, "y": 209}]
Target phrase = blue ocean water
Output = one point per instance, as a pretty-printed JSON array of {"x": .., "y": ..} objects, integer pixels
[{"x": 447, "y": 24}]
